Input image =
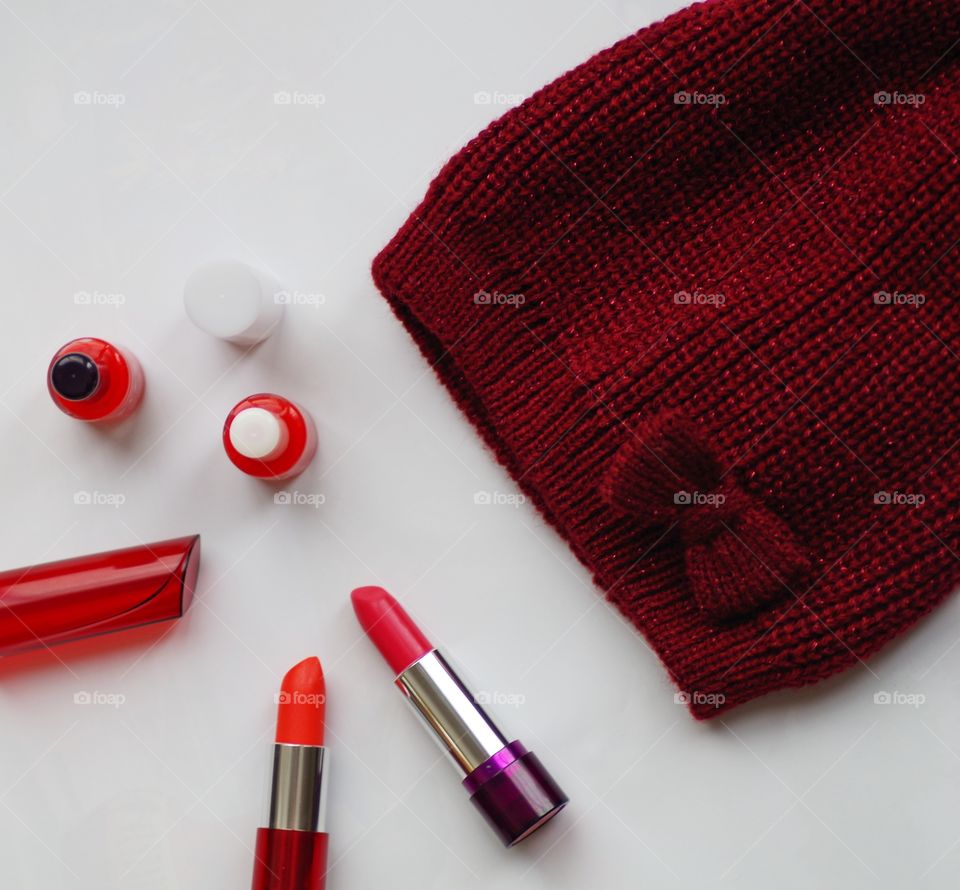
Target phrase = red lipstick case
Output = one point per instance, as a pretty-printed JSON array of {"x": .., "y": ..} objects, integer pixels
[
  {"x": 57, "y": 602},
  {"x": 289, "y": 859}
]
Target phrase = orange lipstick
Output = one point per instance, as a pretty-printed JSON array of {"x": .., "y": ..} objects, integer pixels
[
  {"x": 291, "y": 849},
  {"x": 302, "y": 705}
]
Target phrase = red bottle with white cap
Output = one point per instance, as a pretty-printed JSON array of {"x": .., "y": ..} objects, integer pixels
[{"x": 269, "y": 437}]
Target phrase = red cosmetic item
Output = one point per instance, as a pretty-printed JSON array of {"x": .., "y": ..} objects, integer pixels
[
  {"x": 389, "y": 628},
  {"x": 93, "y": 380},
  {"x": 74, "y": 598},
  {"x": 291, "y": 850},
  {"x": 269, "y": 437},
  {"x": 302, "y": 705},
  {"x": 506, "y": 782}
]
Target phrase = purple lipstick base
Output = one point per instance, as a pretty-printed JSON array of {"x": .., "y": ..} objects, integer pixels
[{"x": 515, "y": 793}]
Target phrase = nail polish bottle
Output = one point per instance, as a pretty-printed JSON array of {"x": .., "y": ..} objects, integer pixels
[
  {"x": 269, "y": 437},
  {"x": 93, "y": 380}
]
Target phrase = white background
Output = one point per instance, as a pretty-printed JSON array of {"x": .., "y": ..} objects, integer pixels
[{"x": 816, "y": 788}]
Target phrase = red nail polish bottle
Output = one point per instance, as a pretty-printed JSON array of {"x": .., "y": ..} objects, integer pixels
[
  {"x": 269, "y": 437},
  {"x": 93, "y": 380}
]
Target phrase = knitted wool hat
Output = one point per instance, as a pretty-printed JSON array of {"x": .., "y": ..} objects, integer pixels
[{"x": 700, "y": 295}]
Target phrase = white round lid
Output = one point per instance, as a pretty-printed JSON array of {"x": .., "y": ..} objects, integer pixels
[
  {"x": 255, "y": 433},
  {"x": 228, "y": 301}
]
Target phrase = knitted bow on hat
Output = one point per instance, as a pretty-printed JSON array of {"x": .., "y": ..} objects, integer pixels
[{"x": 739, "y": 554}]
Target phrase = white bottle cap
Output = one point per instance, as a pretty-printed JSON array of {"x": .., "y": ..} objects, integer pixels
[
  {"x": 256, "y": 433},
  {"x": 233, "y": 302}
]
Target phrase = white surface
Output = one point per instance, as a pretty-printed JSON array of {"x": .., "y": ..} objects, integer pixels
[
  {"x": 232, "y": 301},
  {"x": 255, "y": 432},
  {"x": 822, "y": 788}
]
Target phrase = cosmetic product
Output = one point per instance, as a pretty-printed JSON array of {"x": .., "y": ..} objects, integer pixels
[
  {"x": 269, "y": 437},
  {"x": 234, "y": 302},
  {"x": 57, "y": 602},
  {"x": 291, "y": 849},
  {"x": 93, "y": 380},
  {"x": 506, "y": 782}
]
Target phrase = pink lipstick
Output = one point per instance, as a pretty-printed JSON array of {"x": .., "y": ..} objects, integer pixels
[{"x": 506, "y": 782}]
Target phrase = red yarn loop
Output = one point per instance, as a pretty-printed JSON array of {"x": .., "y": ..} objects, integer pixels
[{"x": 739, "y": 555}]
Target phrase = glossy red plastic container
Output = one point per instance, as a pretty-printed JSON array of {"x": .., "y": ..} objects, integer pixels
[
  {"x": 57, "y": 602},
  {"x": 296, "y": 442},
  {"x": 290, "y": 860},
  {"x": 93, "y": 380}
]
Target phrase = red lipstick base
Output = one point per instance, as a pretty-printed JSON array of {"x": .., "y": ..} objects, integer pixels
[{"x": 289, "y": 860}]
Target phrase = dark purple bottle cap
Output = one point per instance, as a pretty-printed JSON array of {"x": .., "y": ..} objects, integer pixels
[
  {"x": 75, "y": 376},
  {"x": 515, "y": 793}
]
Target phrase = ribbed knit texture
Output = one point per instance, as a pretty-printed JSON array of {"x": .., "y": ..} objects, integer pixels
[{"x": 700, "y": 295}]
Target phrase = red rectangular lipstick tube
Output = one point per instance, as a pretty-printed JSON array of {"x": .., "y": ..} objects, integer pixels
[{"x": 70, "y": 599}]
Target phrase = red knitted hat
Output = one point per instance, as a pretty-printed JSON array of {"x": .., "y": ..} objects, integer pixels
[{"x": 701, "y": 297}]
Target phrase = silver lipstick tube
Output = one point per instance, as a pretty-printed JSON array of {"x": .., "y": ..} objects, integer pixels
[
  {"x": 506, "y": 782},
  {"x": 447, "y": 707},
  {"x": 298, "y": 792}
]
